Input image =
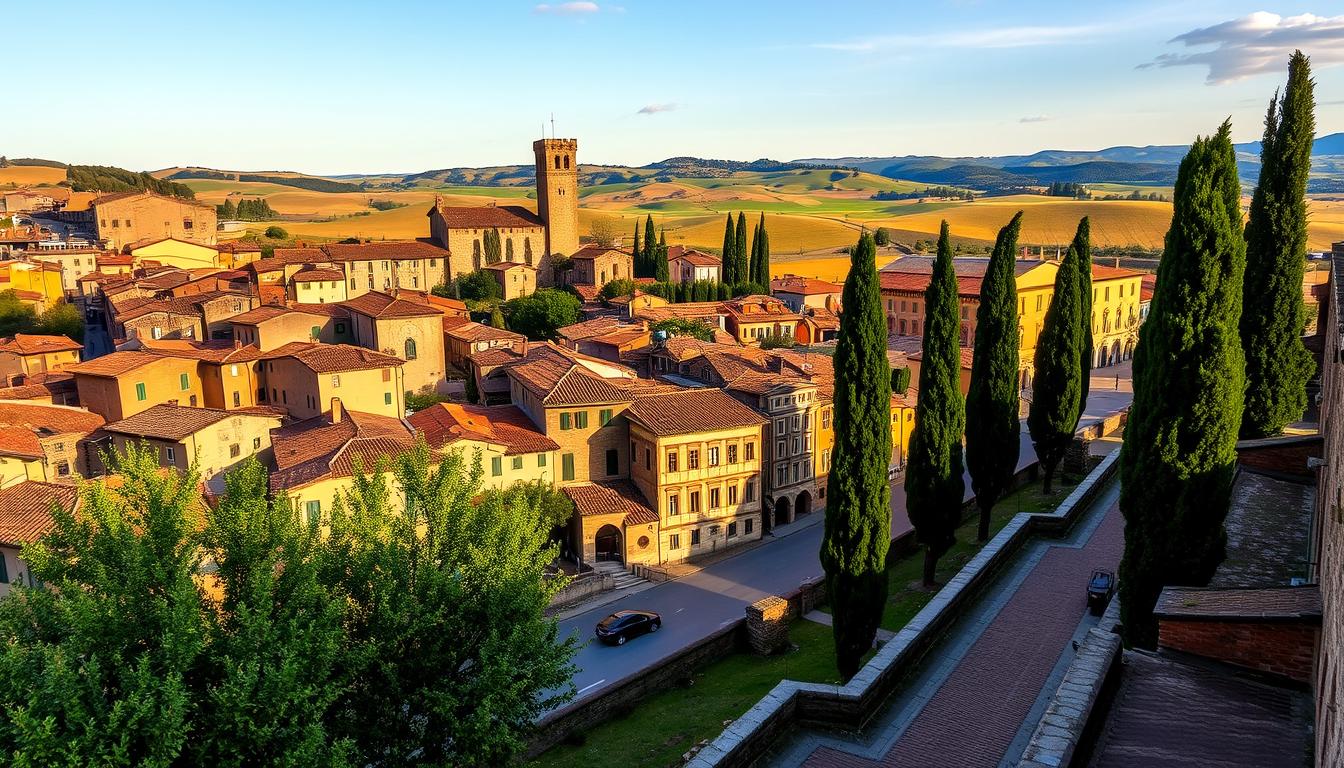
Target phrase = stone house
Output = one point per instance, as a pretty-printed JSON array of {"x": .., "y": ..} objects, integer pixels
[
  {"x": 801, "y": 293},
  {"x": 214, "y": 439},
  {"x": 686, "y": 265},
  {"x": 172, "y": 252},
  {"x": 753, "y": 318},
  {"x": 514, "y": 279},
  {"x": 24, "y": 354},
  {"x": 389, "y": 266},
  {"x": 596, "y": 265},
  {"x": 406, "y": 328},
  {"x": 303, "y": 377},
  {"x": 461, "y": 230},
  {"x": 462, "y": 338},
  {"x": 126, "y": 217},
  {"x": 508, "y": 446},
  {"x": 44, "y": 442},
  {"x": 270, "y": 326}
]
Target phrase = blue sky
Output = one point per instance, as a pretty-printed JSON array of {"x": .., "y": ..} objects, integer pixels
[{"x": 406, "y": 86}]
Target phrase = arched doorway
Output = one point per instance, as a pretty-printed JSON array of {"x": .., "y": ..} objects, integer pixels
[
  {"x": 783, "y": 513},
  {"x": 607, "y": 543},
  {"x": 804, "y": 503},
  {"x": 1115, "y": 353}
]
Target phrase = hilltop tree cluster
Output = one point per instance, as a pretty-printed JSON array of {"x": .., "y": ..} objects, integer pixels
[
  {"x": 246, "y": 210},
  {"x": 740, "y": 264},
  {"x": 1068, "y": 189}
]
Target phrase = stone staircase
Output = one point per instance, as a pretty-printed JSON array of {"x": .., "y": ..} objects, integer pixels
[{"x": 621, "y": 576}]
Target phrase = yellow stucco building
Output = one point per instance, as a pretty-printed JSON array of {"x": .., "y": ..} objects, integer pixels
[
  {"x": 173, "y": 252},
  {"x": 510, "y": 448}
]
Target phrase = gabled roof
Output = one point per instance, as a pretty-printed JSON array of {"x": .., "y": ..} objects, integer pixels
[
  {"x": 620, "y": 496},
  {"x": 1103, "y": 272},
  {"x": 758, "y": 309},
  {"x": 318, "y": 448},
  {"x": 115, "y": 364},
  {"x": 471, "y": 331},
  {"x": 484, "y": 216},
  {"x": 217, "y": 351},
  {"x": 556, "y": 377},
  {"x": 696, "y": 258},
  {"x": 34, "y": 344},
  {"x": 446, "y": 423},
  {"x": 599, "y": 326},
  {"x": 190, "y": 304},
  {"x": 381, "y": 305},
  {"x": 333, "y": 358},
  {"x": 690, "y": 411},
  {"x": 592, "y": 251},
  {"x": 318, "y": 274},
  {"x": 25, "y": 509},
  {"x": 392, "y": 250},
  {"x": 967, "y": 287},
  {"x": 24, "y": 424},
  {"x": 148, "y": 241},
  {"x": 170, "y": 422}
]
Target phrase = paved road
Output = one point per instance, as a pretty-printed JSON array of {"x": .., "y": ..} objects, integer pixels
[{"x": 697, "y": 605}]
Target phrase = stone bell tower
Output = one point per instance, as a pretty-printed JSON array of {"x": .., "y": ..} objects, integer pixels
[{"x": 558, "y": 193}]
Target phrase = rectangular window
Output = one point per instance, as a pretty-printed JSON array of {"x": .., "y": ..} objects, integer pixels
[
  {"x": 63, "y": 468},
  {"x": 336, "y": 382},
  {"x": 604, "y": 417},
  {"x": 496, "y": 466},
  {"x": 748, "y": 526},
  {"x": 1038, "y": 302},
  {"x": 695, "y": 537},
  {"x": 693, "y": 458},
  {"x": 732, "y": 529},
  {"x": 751, "y": 451},
  {"x": 695, "y": 501},
  {"x": 732, "y": 454},
  {"x": 674, "y": 541},
  {"x": 541, "y": 459},
  {"x": 714, "y": 498},
  {"x": 387, "y": 398},
  {"x": 140, "y": 391},
  {"x": 826, "y": 419},
  {"x": 732, "y": 494},
  {"x": 235, "y": 450},
  {"x": 648, "y": 458},
  {"x": 714, "y": 456},
  {"x": 672, "y": 503},
  {"x": 613, "y": 462},
  {"x": 169, "y": 454},
  {"x": 313, "y": 510},
  {"x": 780, "y": 426},
  {"x": 671, "y": 461},
  {"x": 256, "y": 443},
  {"x": 565, "y": 421},
  {"x": 4, "y": 570},
  {"x": 184, "y": 381},
  {"x": 751, "y": 490},
  {"x": 517, "y": 462},
  {"x": 781, "y": 448},
  {"x": 567, "y": 467},
  {"x": 782, "y": 475},
  {"x": 581, "y": 419}
]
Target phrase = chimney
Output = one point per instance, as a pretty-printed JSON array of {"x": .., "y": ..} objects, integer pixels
[
  {"x": 237, "y": 343},
  {"x": 336, "y": 410}
]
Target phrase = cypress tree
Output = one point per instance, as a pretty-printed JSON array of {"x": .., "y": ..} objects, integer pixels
[
  {"x": 660, "y": 258},
  {"x": 858, "y": 504},
  {"x": 1057, "y": 391},
  {"x": 1082, "y": 241},
  {"x": 742, "y": 266},
  {"x": 650, "y": 250},
  {"x": 1179, "y": 454},
  {"x": 729, "y": 259},
  {"x": 993, "y": 431},
  {"x": 1278, "y": 366},
  {"x": 933, "y": 472},
  {"x": 763, "y": 267},
  {"x": 754, "y": 255},
  {"x": 636, "y": 257}
]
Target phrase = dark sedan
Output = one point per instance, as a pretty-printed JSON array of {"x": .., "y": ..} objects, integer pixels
[{"x": 625, "y": 625}]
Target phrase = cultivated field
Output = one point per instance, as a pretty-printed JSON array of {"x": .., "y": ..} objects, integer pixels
[{"x": 22, "y": 175}]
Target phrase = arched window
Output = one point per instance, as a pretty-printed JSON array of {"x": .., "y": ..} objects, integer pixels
[
  {"x": 566, "y": 162},
  {"x": 410, "y": 349},
  {"x": 557, "y": 162}
]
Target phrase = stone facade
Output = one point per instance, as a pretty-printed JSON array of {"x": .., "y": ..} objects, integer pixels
[
  {"x": 558, "y": 193},
  {"x": 1330, "y": 525},
  {"x": 768, "y": 625},
  {"x": 127, "y": 217}
]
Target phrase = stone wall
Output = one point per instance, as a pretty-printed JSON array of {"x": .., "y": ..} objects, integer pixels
[
  {"x": 582, "y": 587},
  {"x": 1330, "y": 526},
  {"x": 1279, "y": 455},
  {"x": 1283, "y": 649}
]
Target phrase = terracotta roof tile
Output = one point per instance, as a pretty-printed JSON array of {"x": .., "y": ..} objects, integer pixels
[
  {"x": 25, "y": 509},
  {"x": 620, "y": 496},
  {"x": 912, "y": 282},
  {"x": 446, "y": 423},
  {"x": 214, "y": 351},
  {"x": 169, "y": 422},
  {"x": 485, "y": 216},
  {"x": 382, "y": 305},
  {"x": 473, "y": 331},
  {"x": 804, "y": 286},
  {"x": 696, "y": 258},
  {"x": 318, "y": 274},
  {"x": 114, "y": 364},
  {"x": 592, "y": 251},
  {"x": 690, "y": 411},
  {"x": 1103, "y": 272},
  {"x": 334, "y": 358},
  {"x": 557, "y": 379},
  {"x": 317, "y": 448},
  {"x": 32, "y": 344},
  {"x": 24, "y": 424},
  {"x": 508, "y": 266},
  {"x": 598, "y": 326},
  {"x": 964, "y": 266},
  {"x": 392, "y": 250}
]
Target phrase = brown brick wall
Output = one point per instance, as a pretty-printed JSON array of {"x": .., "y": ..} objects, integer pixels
[
  {"x": 1286, "y": 650},
  {"x": 1288, "y": 459},
  {"x": 1330, "y": 545}
]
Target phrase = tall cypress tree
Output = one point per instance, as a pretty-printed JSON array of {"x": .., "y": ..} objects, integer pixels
[
  {"x": 993, "y": 431},
  {"x": 1082, "y": 241},
  {"x": 1278, "y": 366},
  {"x": 858, "y": 503},
  {"x": 740, "y": 249},
  {"x": 660, "y": 267},
  {"x": 754, "y": 254},
  {"x": 636, "y": 258},
  {"x": 933, "y": 472},
  {"x": 729, "y": 263},
  {"x": 1057, "y": 391},
  {"x": 764, "y": 268},
  {"x": 650, "y": 249},
  {"x": 1179, "y": 454}
]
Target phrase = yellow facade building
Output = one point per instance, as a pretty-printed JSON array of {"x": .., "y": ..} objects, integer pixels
[
  {"x": 303, "y": 378},
  {"x": 122, "y": 384},
  {"x": 127, "y": 217},
  {"x": 24, "y": 354},
  {"x": 510, "y": 448},
  {"x": 173, "y": 252},
  {"x": 213, "y": 439},
  {"x": 37, "y": 284}
]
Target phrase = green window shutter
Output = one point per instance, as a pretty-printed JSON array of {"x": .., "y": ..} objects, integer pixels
[
  {"x": 140, "y": 391},
  {"x": 564, "y": 420},
  {"x": 541, "y": 459},
  {"x": 184, "y": 381},
  {"x": 314, "y": 511},
  {"x": 496, "y": 466},
  {"x": 387, "y": 398},
  {"x": 604, "y": 417},
  {"x": 581, "y": 419},
  {"x": 567, "y": 466}
]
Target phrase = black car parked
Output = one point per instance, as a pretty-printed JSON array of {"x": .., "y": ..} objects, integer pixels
[{"x": 624, "y": 625}]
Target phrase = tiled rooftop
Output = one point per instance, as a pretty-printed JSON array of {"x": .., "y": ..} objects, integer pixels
[
  {"x": 381, "y": 306},
  {"x": 690, "y": 411},
  {"x": 25, "y": 509},
  {"x": 615, "y": 496},
  {"x": 486, "y": 216},
  {"x": 318, "y": 448},
  {"x": 334, "y": 358},
  {"x": 169, "y": 422},
  {"x": 446, "y": 423},
  {"x": 33, "y": 344},
  {"x": 24, "y": 424}
]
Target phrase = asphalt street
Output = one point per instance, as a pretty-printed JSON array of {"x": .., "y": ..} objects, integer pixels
[{"x": 695, "y": 606}]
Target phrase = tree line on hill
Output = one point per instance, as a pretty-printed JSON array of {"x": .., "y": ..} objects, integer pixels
[
  {"x": 105, "y": 178},
  {"x": 1220, "y": 356},
  {"x": 951, "y": 193},
  {"x": 1067, "y": 189},
  {"x": 5, "y": 162},
  {"x": 246, "y": 210}
]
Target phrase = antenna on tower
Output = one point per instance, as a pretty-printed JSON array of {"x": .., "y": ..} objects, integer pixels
[{"x": 552, "y": 125}]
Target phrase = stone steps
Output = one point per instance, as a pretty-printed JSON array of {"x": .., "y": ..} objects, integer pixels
[{"x": 622, "y": 578}]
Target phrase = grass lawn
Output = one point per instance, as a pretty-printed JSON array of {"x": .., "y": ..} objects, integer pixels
[
  {"x": 662, "y": 728},
  {"x": 906, "y": 592}
]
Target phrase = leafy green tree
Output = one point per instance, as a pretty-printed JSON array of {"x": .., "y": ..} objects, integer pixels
[
  {"x": 933, "y": 474},
  {"x": 497, "y": 318},
  {"x": 679, "y": 326},
  {"x": 1057, "y": 390},
  {"x": 993, "y": 431},
  {"x": 424, "y": 398},
  {"x": 100, "y": 666},
  {"x": 451, "y": 655},
  {"x": 660, "y": 266},
  {"x": 1082, "y": 242},
  {"x": 740, "y": 253},
  {"x": 777, "y": 341},
  {"x": 858, "y": 503},
  {"x": 1179, "y": 454},
  {"x": 728, "y": 258},
  {"x": 614, "y": 288},
  {"x": 541, "y": 314},
  {"x": 479, "y": 285},
  {"x": 64, "y": 319},
  {"x": 882, "y": 237},
  {"x": 276, "y": 233},
  {"x": 900, "y": 377},
  {"x": 1278, "y": 366}
]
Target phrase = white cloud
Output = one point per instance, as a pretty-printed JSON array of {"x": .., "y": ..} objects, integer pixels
[
  {"x": 653, "y": 109},
  {"x": 1006, "y": 37},
  {"x": 1258, "y": 44},
  {"x": 1036, "y": 119},
  {"x": 568, "y": 9}
]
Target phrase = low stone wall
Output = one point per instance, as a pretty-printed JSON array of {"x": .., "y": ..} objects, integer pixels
[
  {"x": 617, "y": 699},
  {"x": 1069, "y": 716},
  {"x": 1280, "y": 648},
  {"x": 582, "y": 587},
  {"x": 854, "y": 703}
]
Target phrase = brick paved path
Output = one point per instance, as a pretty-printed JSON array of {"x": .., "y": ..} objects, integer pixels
[{"x": 975, "y": 714}]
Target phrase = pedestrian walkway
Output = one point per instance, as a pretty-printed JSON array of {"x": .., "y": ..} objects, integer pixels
[{"x": 976, "y": 697}]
